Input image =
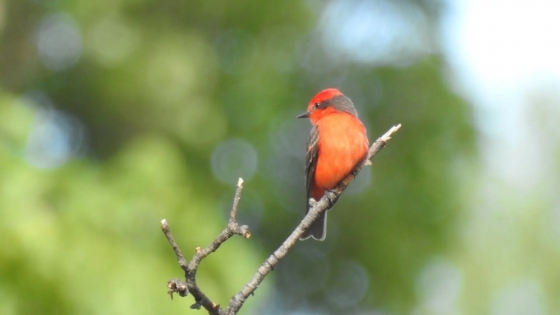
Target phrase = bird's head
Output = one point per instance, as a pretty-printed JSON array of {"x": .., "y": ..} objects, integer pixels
[{"x": 327, "y": 102}]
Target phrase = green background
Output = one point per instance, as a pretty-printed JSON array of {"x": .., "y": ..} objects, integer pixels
[{"x": 166, "y": 103}]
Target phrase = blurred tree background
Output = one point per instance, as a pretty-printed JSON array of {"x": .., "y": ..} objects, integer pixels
[{"x": 117, "y": 114}]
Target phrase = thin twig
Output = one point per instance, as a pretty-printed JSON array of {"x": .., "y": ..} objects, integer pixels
[
  {"x": 317, "y": 208},
  {"x": 190, "y": 286},
  {"x": 236, "y": 199},
  {"x": 167, "y": 231}
]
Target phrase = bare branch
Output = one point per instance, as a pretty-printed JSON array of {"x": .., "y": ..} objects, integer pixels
[
  {"x": 190, "y": 286},
  {"x": 236, "y": 302}
]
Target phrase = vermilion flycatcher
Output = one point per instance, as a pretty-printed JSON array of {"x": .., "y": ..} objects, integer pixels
[{"x": 337, "y": 142}]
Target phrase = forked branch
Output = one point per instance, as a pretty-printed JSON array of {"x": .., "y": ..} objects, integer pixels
[{"x": 317, "y": 207}]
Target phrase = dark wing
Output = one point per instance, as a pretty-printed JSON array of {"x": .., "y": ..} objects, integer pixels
[
  {"x": 317, "y": 229},
  {"x": 311, "y": 160}
]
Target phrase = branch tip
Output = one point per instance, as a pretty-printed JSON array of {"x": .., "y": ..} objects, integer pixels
[
  {"x": 387, "y": 136},
  {"x": 393, "y": 130},
  {"x": 240, "y": 182}
]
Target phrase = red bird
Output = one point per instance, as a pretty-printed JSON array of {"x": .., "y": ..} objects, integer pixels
[{"x": 337, "y": 142}]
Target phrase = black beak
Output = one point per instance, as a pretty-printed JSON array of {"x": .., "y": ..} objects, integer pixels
[{"x": 303, "y": 115}]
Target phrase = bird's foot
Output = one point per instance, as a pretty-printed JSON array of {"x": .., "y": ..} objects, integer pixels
[{"x": 331, "y": 197}]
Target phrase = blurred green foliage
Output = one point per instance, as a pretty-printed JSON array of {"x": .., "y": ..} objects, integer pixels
[
  {"x": 84, "y": 238},
  {"x": 157, "y": 87}
]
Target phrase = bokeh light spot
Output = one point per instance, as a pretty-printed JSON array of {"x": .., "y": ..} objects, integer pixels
[
  {"x": 439, "y": 286},
  {"x": 233, "y": 159},
  {"x": 59, "y": 42},
  {"x": 113, "y": 40},
  {"x": 55, "y": 137},
  {"x": 349, "y": 285}
]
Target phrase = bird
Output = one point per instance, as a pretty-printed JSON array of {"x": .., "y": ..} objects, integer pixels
[{"x": 337, "y": 143}]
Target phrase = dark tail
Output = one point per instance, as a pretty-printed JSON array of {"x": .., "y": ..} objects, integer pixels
[{"x": 318, "y": 229}]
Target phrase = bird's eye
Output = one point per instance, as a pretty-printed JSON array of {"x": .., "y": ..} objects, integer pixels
[{"x": 317, "y": 105}]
